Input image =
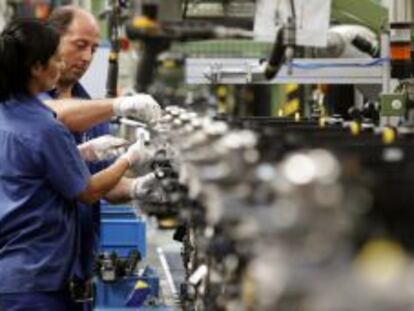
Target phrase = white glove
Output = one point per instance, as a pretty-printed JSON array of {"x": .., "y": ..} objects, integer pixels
[
  {"x": 106, "y": 147},
  {"x": 138, "y": 153},
  {"x": 147, "y": 189},
  {"x": 141, "y": 106},
  {"x": 141, "y": 186}
]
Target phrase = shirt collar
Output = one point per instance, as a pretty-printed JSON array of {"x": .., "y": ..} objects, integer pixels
[
  {"x": 77, "y": 91},
  {"x": 31, "y": 100}
]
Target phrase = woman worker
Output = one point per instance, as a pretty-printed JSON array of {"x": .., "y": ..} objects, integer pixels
[{"x": 42, "y": 175}]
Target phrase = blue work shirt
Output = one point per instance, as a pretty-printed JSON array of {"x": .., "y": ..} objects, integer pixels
[
  {"x": 41, "y": 174},
  {"x": 89, "y": 214}
]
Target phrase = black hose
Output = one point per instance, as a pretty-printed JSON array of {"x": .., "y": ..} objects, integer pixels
[
  {"x": 292, "y": 7},
  {"x": 276, "y": 58}
]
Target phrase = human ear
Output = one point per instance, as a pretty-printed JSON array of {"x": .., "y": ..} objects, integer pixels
[{"x": 36, "y": 70}]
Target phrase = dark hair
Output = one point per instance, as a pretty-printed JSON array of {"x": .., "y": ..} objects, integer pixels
[
  {"x": 24, "y": 43},
  {"x": 61, "y": 18}
]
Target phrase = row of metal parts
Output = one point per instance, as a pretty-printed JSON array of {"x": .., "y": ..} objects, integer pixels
[{"x": 276, "y": 214}]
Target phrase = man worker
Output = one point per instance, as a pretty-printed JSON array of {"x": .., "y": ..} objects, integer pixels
[{"x": 87, "y": 120}]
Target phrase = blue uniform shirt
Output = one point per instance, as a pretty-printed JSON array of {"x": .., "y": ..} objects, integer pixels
[
  {"x": 89, "y": 214},
  {"x": 41, "y": 173}
]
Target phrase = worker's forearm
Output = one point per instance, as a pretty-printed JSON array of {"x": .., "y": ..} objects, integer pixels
[
  {"x": 79, "y": 115},
  {"x": 102, "y": 182},
  {"x": 121, "y": 192}
]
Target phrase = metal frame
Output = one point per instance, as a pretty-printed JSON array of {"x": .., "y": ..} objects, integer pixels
[
  {"x": 300, "y": 71},
  {"x": 250, "y": 71}
]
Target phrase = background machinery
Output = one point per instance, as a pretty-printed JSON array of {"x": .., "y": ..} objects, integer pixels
[
  {"x": 284, "y": 169},
  {"x": 306, "y": 210}
]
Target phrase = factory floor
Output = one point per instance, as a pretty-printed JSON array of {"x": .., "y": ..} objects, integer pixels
[{"x": 164, "y": 255}]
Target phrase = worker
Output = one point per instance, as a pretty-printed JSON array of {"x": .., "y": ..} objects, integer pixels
[
  {"x": 87, "y": 119},
  {"x": 42, "y": 175},
  {"x": 80, "y": 38}
]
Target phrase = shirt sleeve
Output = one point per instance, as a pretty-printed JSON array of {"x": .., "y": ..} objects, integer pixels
[
  {"x": 65, "y": 169},
  {"x": 44, "y": 96}
]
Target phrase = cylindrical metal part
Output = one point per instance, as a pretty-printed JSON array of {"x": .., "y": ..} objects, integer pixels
[
  {"x": 385, "y": 54},
  {"x": 401, "y": 11},
  {"x": 401, "y": 20},
  {"x": 400, "y": 50}
]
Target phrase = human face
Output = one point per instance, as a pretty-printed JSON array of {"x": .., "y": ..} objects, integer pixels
[
  {"x": 77, "y": 47},
  {"x": 45, "y": 77}
]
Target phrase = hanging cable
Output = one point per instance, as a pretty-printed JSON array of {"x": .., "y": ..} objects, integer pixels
[
  {"x": 293, "y": 9},
  {"x": 185, "y": 9},
  {"x": 114, "y": 24}
]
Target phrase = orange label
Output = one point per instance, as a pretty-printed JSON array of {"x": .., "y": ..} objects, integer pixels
[{"x": 401, "y": 52}]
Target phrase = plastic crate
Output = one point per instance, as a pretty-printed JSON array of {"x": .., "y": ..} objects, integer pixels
[
  {"x": 122, "y": 230},
  {"x": 117, "y": 211},
  {"x": 114, "y": 294},
  {"x": 123, "y": 235},
  {"x": 117, "y": 294}
]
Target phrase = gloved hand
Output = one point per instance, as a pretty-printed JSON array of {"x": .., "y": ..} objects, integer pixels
[
  {"x": 141, "y": 106},
  {"x": 138, "y": 153},
  {"x": 143, "y": 186},
  {"x": 147, "y": 189},
  {"x": 106, "y": 147}
]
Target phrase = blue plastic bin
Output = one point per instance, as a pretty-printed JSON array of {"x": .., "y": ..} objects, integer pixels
[
  {"x": 117, "y": 211},
  {"x": 117, "y": 294},
  {"x": 114, "y": 294},
  {"x": 123, "y": 235}
]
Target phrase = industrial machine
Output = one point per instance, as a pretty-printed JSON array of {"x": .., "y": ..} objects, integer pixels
[
  {"x": 304, "y": 211},
  {"x": 276, "y": 214}
]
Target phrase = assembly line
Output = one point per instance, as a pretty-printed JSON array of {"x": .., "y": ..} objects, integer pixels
[{"x": 206, "y": 155}]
